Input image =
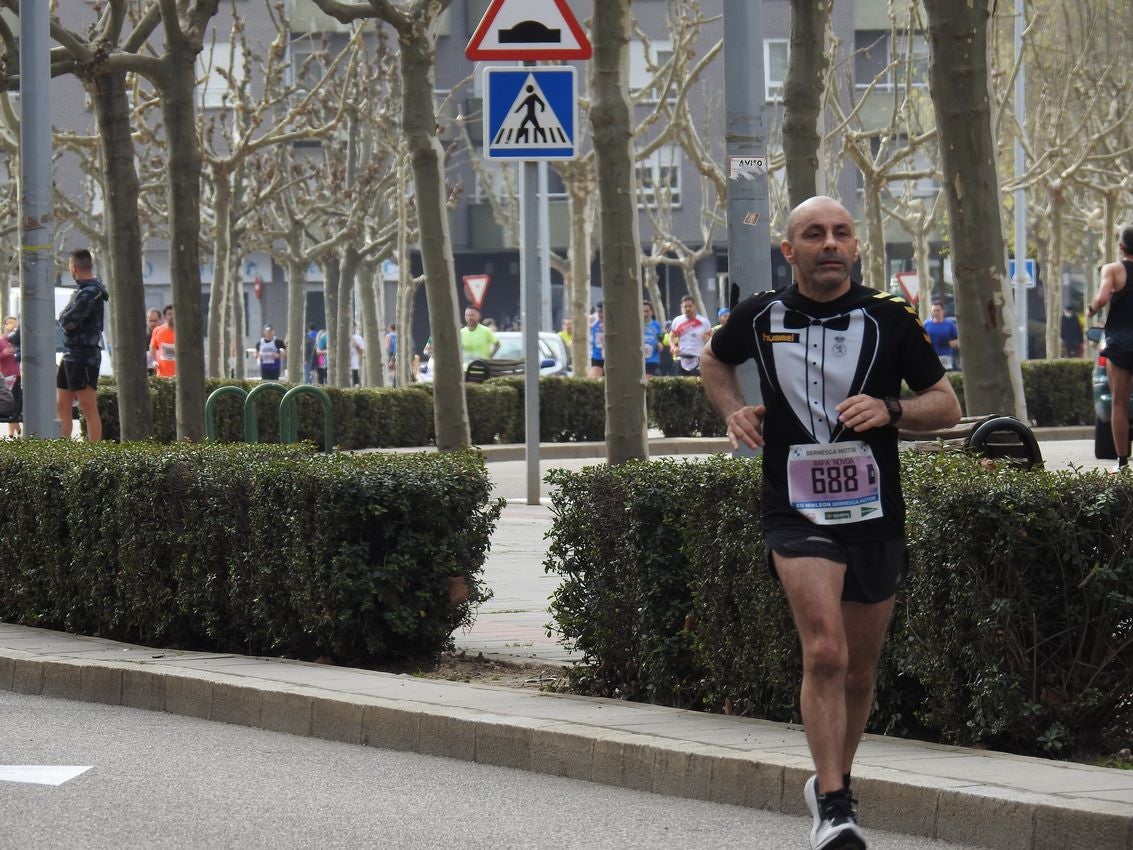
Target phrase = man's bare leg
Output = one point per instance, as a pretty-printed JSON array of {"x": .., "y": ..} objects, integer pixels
[
  {"x": 88, "y": 404},
  {"x": 63, "y": 401},
  {"x": 814, "y": 590},
  {"x": 1119, "y": 387},
  {"x": 866, "y": 626}
]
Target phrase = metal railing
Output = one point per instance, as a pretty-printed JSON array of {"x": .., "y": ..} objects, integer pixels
[{"x": 288, "y": 412}]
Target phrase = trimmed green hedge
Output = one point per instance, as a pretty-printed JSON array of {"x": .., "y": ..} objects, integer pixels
[
  {"x": 680, "y": 408},
  {"x": 1058, "y": 392},
  {"x": 570, "y": 409},
  {"x": 260, "y": 550},
  {"x": 1014, "y": 631}
]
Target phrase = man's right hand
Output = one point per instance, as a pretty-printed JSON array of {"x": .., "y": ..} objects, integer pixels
[{"x": 746, "y": 426}]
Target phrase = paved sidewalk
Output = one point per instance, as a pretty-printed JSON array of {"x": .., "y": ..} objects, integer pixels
[{"x": 513, "y": 624}]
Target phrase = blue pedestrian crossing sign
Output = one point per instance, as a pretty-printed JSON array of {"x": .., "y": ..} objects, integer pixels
[
  {"x": 1028, "y": 272},
  {"x": 530, "y": 113}
]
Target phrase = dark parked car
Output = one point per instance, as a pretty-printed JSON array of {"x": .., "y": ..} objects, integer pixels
[{"x": 1103, "y": 401}]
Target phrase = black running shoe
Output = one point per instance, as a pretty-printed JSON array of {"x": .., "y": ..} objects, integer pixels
[{"x": 835, "y": 819}]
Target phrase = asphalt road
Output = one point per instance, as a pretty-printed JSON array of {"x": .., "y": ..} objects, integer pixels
[{"x": 163, "y": 781}]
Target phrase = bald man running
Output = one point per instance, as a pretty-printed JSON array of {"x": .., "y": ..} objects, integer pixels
[{"x": 831, "y": 356}]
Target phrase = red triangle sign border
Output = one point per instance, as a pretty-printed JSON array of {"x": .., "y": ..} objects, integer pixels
[{"x": 477, "y": 52}]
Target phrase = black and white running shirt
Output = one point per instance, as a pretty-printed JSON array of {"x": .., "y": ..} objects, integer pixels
[{"x": 811, "y": 357}]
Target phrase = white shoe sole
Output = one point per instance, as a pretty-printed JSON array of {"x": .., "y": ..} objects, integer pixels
[
  {"x": 849, "y": 837},
  {"x": 810, "y": 794}
]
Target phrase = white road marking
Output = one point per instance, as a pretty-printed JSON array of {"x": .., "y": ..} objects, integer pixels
[{"x": 38, "y": 774}]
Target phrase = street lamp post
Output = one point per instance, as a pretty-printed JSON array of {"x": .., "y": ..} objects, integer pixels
[
  {"x": 37, "y": 293},
  {"x": 749, "y": 209}
]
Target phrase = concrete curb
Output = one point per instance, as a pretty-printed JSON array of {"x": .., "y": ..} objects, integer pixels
[{"x": 555, "y": 735}]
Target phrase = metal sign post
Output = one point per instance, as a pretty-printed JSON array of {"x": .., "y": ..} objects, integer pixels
[
  {"x": 532, "y": 309},
  {"x": 530, "y": 115}
]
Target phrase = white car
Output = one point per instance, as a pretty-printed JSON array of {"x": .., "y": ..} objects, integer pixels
[{"x": 552, "y": 351}]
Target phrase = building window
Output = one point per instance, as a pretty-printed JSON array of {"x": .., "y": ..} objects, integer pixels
[
  {"x": 881, "y": 60},
  {"x": 220, "y": 72},
  {"x": 776, "y": 52},
  {"x": 643, "y": 68},
  {"x": 659, "y": 179},
  {"x": 556, "y": 189}
]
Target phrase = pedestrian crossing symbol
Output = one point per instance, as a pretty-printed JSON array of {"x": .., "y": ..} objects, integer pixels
[{"x": 530, "y": 113}]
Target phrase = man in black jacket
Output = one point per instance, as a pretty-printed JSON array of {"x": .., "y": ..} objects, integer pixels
[{"x": 81, "y": 320}]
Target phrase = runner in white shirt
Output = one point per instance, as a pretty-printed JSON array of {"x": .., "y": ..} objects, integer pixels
[
  {"x": 357, "y": 348},
  {"x": 687, "y": 336},
  {"x": 269, "y": 351}
]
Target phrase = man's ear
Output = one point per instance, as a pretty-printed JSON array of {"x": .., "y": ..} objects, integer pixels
[{"x": 788, "y": 251}]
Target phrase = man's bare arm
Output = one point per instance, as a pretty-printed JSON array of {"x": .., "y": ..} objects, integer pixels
[
  {"x": 935, "y": 407},
  {"x": 722, "y": 384},
  {"x": 1111, "y": 282}
]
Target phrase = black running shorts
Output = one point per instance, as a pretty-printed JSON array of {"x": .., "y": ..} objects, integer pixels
[
  {"x": 875, "y": 569},
  {"x": 1119, "y": 352},
  {"x": 73, "y": 377}
]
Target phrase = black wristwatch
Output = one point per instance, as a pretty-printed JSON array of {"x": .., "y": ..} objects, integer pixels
[{"x": 893, "y": 405}]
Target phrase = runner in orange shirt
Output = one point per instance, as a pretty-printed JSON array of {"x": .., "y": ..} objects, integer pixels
[{"x": 161, "y": 346}]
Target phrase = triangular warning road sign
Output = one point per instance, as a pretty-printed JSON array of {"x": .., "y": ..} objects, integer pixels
[
  {"x": 531, "y": 123},
  {"x": 476, "y": 287},
  {"x": 528, "y": 30}
]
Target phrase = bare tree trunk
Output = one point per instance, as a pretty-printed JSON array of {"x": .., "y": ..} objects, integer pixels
[
  {"x": 873, "y": 247},
  {"x": 958, "y": 72},
  {"x": 296, "y": 320},
  {"x": 1109, "y": 233},
  {"x": 652, "y": 277},
  {"x": 1053, "y": 289},
  {"x": 802, "y": 96},
  {"x": 331, "y": 291},
  {"x": 179, "y": 114},
  {"x": 238, "y": 327},
  {"x": 369, "y": 306},
  {"x": 124, "y": 233},
  {"x": 580, "y": 208},
  {"x": 920, "y": 263},
  {"x": 692, "y": 282},
  {"x": 450, "y": 409},
  {"x": 403, "y": 304},
  {"x": 612, "y": 123},
  {"x": 406, "y": 347},
  {"x": 349, "y": 270},
  {"x": 220, "y": 291}
]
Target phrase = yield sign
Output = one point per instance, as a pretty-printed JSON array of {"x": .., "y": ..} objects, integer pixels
[
  {"x": 528, "y": 30},
  {"x": 476, "y": 287}
]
